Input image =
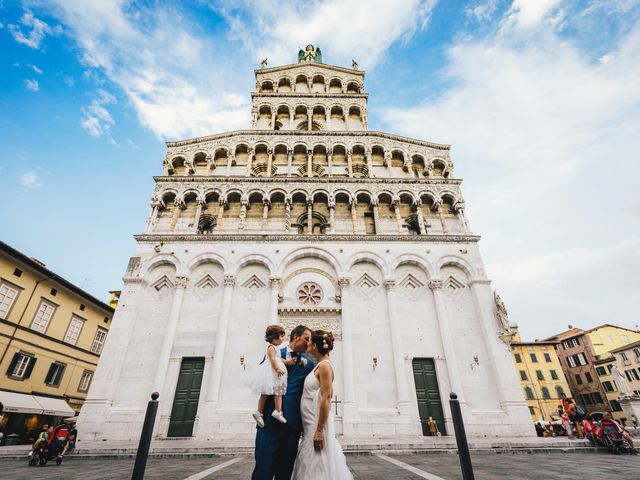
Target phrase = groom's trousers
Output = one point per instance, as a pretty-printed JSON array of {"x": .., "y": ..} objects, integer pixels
[{"x": 276, "y": 450}]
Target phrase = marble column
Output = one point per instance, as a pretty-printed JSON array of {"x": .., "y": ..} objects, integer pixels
[
  {"x": 330, "y": 162},
  {"x": 287, "y": 214},
  {"x": 332, "y": 214},
  {"x": 396, "y": 346},
  {"x": 169, "y": 334},
  {"x": 447, "y": 339},
  {"x": 292, "y": 121},
  {"x": 244, "y": 204},
  {"x": 200, "y": 204},
  {"x": 266, "y": 204},
  {"x": 309, "y": 215},
  {"x": 222, "y": 204},
  {"x": 459, "y": 209},
  {"x": 421, "y": 226},
  {"x": 276, "y": 286},
  {"x": 178, "y": 205},
  {"x": 327, "y": 119},
  {"x": 289, "y": 161},
  {"x": 269, "y": 163},
  {"x": 309, "y": 119},
  {"x": 354, "y": 215},
  {"x": 309, "y": 164},
  {"x": 387, "y": 163},
  {"x": 254, "y": 117},
  {"x": 438, "y": 206},
  {"x": 369, "y": 164},
  {"x": 151, "y": 221},
  {"x": 349, "y": 406},
  {"x": 396, "y": 209},
  {"x": 376, "y": 215},
  {"x": 349, "y": 164},
  {"x": 230, "y": 163},
  {"x": 249, "y": 162},
  {"x": 221, "y": 341},
  {"x": 273, "y": 120}
]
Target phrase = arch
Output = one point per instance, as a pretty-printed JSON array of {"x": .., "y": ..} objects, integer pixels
[
  {"x": 266, "y": 86},
  {"x": 208, "y": 257},
  {"x": 353, "y": 87},
  {"x": 455, "y": 261},
  {"x": 310, "y": 252},
  {"x": 254, "y": 258},
  {"x": 415, "y": 260},
  {"x": 559, "y": 391},
  {"x": 160, "y": 259},
  {"x": 370, "y": 257},
  {"x": 335, "y": 85},
  {"x": 545, "y": 393},
  {"x": 284, "y": 85},
  {"x": 528, "y": 393}
]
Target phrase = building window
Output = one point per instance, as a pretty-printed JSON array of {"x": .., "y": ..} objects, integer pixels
[
  {"x": 517, "y": 357},
  {"x": 635, "y": 374},
  {"x": 54, "y": 375},
  {"x": 601, "y": 371},
  {"x": 528, "y": 393},
  {"x": 610, "y": 367},
  {"x": 581, "y": 359},
  {"x": 626, "y": 372},
  {"x": 559, "y": 391},
  {"x": 554, "y": 375},
  {"x": 534, "y": 359},
  {"x": 588, "y": 376},
  {"x": 85, "y": 381},
  {"x": 17, "y": 272},
  {"x": 625, "y": 339},
  {"x": 21, "y": 365},
  {"x": 545, "y": 393},
  {"x": 615, "y": 406},
  {"x": 369, "y": 223},
  {"x": 54, "y": 292},
  {"x": 8, "y": 296},
  {"x": 539, "y": 375},
  {"x": 532, "y": 410},
  {"x": 43, "y": 316},
  {"x": 586, "y": 399},
  {"x": 73, "y": 330},
  {"x": 637, "y": 352},
  {"x": 578, "y": 379},
  {"x": 547, "y": 358},
  {"x": 597, "y": 398},
  {"x": 607, "y": 386},
  {"x": 98, "y": 341},
  {"x": 523, "y": 375},
  {"x": 571, "y": 360}
]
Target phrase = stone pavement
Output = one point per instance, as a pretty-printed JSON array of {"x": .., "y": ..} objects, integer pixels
[{"x": 433, "y": 466}]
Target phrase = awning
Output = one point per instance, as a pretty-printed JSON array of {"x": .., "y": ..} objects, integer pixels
[
  {"x": 20, "y": 403},
  {"x": 34, "y": 404},
  {"x": 54, "y": 406}
]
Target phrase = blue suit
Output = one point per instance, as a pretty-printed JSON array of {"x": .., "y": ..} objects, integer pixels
[{"x": 277, "y": 443}]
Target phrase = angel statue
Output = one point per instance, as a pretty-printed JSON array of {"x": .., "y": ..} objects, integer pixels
[{"x": 310, "y": 54}]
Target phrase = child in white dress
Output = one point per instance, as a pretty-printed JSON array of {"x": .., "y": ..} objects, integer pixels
[{"x": 271, "y": 376}]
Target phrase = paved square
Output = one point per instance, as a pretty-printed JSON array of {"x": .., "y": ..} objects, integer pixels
[{"x": 433, "y": 466}]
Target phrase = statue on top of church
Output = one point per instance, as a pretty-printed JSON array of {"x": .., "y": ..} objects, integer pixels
[
  {"x": 263, "y": 63},
  {"x": 310, "y": 54}
]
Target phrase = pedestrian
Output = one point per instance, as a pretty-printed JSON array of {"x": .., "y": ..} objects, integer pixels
[
  {"x": 566, "y": 423},
  {"x": 589, "y": 427},
  {"x": 433, "y": 426},
  {"x": 634, "y": 420}
]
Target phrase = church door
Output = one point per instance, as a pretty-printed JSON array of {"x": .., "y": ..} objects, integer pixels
[
  {"x": 185, "y": 402},
  {"x": 428, "y": 393}
]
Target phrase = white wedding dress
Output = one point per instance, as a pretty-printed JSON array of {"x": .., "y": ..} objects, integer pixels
[{"x": 329, "y": 463}]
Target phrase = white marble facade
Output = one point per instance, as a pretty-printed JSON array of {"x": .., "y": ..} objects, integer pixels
[{"x": 308, "y": 217}]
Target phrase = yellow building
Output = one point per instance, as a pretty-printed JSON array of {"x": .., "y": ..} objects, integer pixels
[
  {"x": 606, "y": 338},
  {"x": 541, "y": 377},
  {"x": 603, "y": 370},
  {"x": 51, "y": 337}
]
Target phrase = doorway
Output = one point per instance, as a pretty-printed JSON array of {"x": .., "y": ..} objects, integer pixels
[
  {"x": 428, "y": 393},
  {"x": 185, "y": 402}
]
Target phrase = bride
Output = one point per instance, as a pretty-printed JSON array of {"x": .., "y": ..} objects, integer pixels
[{"x": 320, "y": 456}]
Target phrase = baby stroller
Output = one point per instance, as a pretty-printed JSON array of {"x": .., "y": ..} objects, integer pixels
[
  {"x": 610, "y": 436},
  {"x": 52, "y": 449}
]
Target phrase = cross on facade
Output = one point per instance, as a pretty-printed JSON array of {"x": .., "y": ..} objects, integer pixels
[{"x": 335, "y": 401}]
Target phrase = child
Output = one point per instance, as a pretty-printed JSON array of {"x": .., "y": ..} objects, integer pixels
[
  {"x": 433, "y": 426},
  {"x": 271, "y": 376},
  {"x": 42, "y": 440}
]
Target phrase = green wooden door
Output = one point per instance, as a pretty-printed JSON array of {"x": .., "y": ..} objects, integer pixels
[
  {"x": 424, "y": 374},
  {"x": 185, "y": 402}
]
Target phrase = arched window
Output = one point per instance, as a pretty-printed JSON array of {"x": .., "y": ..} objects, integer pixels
[
  {"x": 528, "y": 393},
  {"x": 206, "y": 224},
  {"x": 559, "y": 391},
  {"x": 545, "y": 393}
]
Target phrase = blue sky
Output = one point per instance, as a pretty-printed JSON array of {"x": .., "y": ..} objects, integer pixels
[{"x": 539, "y": 98}]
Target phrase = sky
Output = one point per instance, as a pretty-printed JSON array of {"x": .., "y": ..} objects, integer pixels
[{"x": 540, "y": 100}]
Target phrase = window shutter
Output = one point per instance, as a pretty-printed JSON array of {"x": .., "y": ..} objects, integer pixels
[
  {"x": 61, "y": 369},
  {"x": 52, "y": 369},
  {"x": 14, "y": 361},
  {"x": 32, "y": 362}
]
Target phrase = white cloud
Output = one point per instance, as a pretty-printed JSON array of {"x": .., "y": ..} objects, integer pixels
[
  {"x": 34, "y": 68},
  {"x": 481, "y": 11},
  {"x": 32, "y": 85},
  {"x": 35, "y": 30},
  {"x": 96, "y": 119},
  {"x": 530, "y": 13},
  {"x": 69, "y": 81},
  {"x": 344, "y": 29},
  {"x": 30, "y": 180}
]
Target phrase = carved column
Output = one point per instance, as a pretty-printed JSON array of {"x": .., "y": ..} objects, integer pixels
[
  {"x": 273, "y": 120},
  {"x": 387, "y": 163},
  {"x": 230, "y": 163},
  {"x": 178, "y": 205},
  {"x": 396, "y": 345},
  {"x": 200, "y": 205},
  {"x": 332, "y": 214},
  {"x": 330, "y": 161},
  {"x": 447, "y": 339},
  {"x": 438, "y": 206},
  {"x": 327, "y": 119},
  {"x": 418, "y": 206},
  {"x": 376, "y": 216},
  {"x": 222, "y": 204},
  {"x": 151, "y": 221},
  {"x": 395, "y": 203},
  {"x": 169, "y": 334},
  {"x": 249, "y": 161},
  {"x": 287, "y": 214},
  {"x": 292, "y": 120},
  {"x": 221, "y": 341},
  {"x": 309, "y": 163},
  {"x": 269, "y": 163},
  {"x": 349, "y": 164},
  {"x": 354, "y": 215},
  {"x": 369, "y": 163},
  {"x": 349, "y": 408},
  {"x": 289, "y": 161},
  {"x": 266, "y": 204},
  {"x": 309, "y": 119},
  {"x": 244, "y": 204},
  {"x": 459, "y": 209},
  {"x": 276, "y": 286},
  {"x": 309, "y": 215},
  {"x": 254, "y": 117}
]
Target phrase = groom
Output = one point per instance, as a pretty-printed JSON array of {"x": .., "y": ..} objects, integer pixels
[{"x": 277, "y": 443}]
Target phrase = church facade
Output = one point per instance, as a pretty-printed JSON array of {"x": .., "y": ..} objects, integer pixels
[{"x": 308, "y": 217}]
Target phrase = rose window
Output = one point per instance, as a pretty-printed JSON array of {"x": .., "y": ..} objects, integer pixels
[{"x": 309, "y": 294}]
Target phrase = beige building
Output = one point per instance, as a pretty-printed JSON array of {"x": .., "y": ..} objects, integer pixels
[
  {"x": 604, "y": 367},
  {"x": 51, "y": 337},
  {"x": 627, "y": 358},
  {"x": 541, "y": 377}
]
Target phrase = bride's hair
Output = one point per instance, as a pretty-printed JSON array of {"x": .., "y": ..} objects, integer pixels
[{"x": 323, "y": 340}]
